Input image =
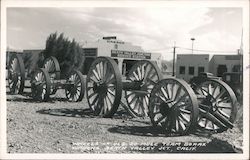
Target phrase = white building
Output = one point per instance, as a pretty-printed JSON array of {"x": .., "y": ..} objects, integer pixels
[
  {"x": 225, "y": 63},
  {"x": 124, "y": 53},
  {"x": 189, "y": 65}
]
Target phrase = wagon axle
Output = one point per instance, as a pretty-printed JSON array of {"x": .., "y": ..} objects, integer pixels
[
  {"x": 50, "y": 74},
  {"x": 170, "y": 103},
  {"x": 45, "y": 81},
  {"x": 105, "y": 85}
]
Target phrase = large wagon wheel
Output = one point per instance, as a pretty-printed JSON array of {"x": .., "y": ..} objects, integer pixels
[
  {"x": 40, "y": 85},
  {"x": 173, "y": 106},
  {"x": 75, "y": 86},
  {"x": 217, "y": 108},
  {"x": 104, "y": 87},
  {"x": 16, "y": 74},
  {"x": 147, "y": 73},
  {"x": 51, "y": 65}
]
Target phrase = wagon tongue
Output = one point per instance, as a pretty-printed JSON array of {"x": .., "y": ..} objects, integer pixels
[{"x": 223, "y": 119}]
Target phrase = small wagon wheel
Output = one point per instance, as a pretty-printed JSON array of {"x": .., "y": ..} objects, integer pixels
[
  {"x": 147, "y": 73},
  {"x": 75, "y": 86},
  {"x": 51, "y": 65},
  {"x": 40, "y": 85},
  {"x": 16, "y": 74},
  {"x": 104, "y": 87},
  {"x": 173, "y": 106},
  {"x": 217, "y": 108}
]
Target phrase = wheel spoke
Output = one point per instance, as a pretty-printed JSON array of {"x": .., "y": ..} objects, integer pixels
[
  {"x": 212, "y": 118},
  {"x": 96, "y": 75},
  {"x": 220, "y": 94},
  {"x": 132, "y": 100},
  {"x": 185, "y": 119},
  {"x": 91, "y": 95},
  {"x": 164, "y": 93},
  {"x": 95, "y": 99},
  {"x": 177, "y": 92},
  {"x": 204, "y": 107},
  {"x": 215, "y": 88},
  {"x": 180, "y": 99},
  {"x": 185, "y": 111},
  {"x": 160, "y": 119},
  {"x": 226, "y": 99},
  {"x": 110, "y": 92},
  {"x": 225, "y": 107}
]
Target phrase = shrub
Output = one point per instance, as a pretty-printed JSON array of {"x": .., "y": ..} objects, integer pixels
[{"x": 69, "y": 53}]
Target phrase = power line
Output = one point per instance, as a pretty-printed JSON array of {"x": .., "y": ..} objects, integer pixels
[
  {"x": 165, "y": 48},
  {"x": 167, "y": 52},
  {"x": 201, "y": 50}
]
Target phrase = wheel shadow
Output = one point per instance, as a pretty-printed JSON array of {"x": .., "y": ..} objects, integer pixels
[
  {"x": 26, "y": 97},
  {"x": 81, "y": 113},
  {"x": 30, "y": 100},
  {"x": 77, "y": 113},
  {"x": 151, "y": 131},
  {"x": 145, "y": 131}
]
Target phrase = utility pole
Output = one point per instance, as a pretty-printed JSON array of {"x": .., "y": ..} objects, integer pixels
[
  {"x": 174, "y": 60},
  {"x": 192, "y": 39}
]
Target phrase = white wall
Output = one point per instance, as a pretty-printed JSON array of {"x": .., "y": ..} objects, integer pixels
[
  {"x": 229, "y": 60},
  {"x": 104, "y": 48},
  {"x": 191, "y": 60}
]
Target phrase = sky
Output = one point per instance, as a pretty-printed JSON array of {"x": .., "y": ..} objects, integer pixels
[{"x": 154, "y": 29}]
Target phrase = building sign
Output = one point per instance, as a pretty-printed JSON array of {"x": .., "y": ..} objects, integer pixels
[
  {"x": 233, "y": 57},
  {"x": 119, "y": 42},
  {"x": 90, "y": 52},
  {"x": 129, "y": 54}
]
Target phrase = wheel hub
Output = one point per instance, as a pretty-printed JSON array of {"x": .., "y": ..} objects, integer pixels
[
  {"x": 100, "y": 88},
  {"x": 73, "y": 89},
  {"x": 165, "y": 109},
  {"x": 208, "y": 101},
  {"x": 14, "y": 76}
]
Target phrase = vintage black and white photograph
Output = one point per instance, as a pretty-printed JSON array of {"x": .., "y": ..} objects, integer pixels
[{"x": 157, "y": 79}]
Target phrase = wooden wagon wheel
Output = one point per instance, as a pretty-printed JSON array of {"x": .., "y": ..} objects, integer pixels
[
  {"x": 217, "y": 106},
  {"x": 16, "y": 74},
  {"x": 173, "y": 106},
  {"x": 40, "y": 85},
  {"x": 104, "y": 87},
  {"x": 147, "y": 73},
  {"x": 51, "y": 65},
  {"x": 75, "y": 86}
]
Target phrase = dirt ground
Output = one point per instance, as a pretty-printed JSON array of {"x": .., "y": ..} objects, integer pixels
[{"x": 59, "y": 126}]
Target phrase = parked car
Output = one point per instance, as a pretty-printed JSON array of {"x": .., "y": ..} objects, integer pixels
[
  {"x": 235, "y": 81},
  {"x": 202, "y": 77}
]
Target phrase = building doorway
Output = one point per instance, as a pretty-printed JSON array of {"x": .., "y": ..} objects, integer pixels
[
  {"x": 221, "y": 69},
  {"x": 127, "y": 65},
  {"x": 87, "y": 63}
]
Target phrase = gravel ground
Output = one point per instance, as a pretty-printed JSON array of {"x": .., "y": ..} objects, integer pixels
[{"x": 59, "y": 126}]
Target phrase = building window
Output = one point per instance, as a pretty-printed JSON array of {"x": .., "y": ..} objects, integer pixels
[
  {"x": 182, "y": 69},
  {"x": 191, "y": 70},
  {"x": 236, "y": 68},
  {"x": 221, "y": 69},
  {"x": 201, "y": 69}
]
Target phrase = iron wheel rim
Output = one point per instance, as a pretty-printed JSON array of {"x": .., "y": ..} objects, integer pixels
[
  {"x": 75, "y": 91},
  {"x": 16, "y": 74},
  {"x": 104, "y": 87},
  {"x": 173, "y": 106},
  {"x": 51, "y": 65},
  {"x": 149, "y": 74},
  {"x": 220, "y": 113},
  {"x": 40, "y": 85}
]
